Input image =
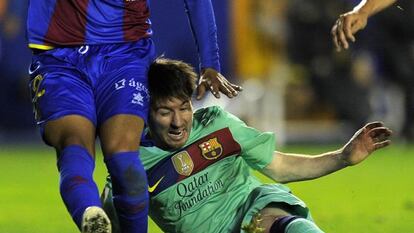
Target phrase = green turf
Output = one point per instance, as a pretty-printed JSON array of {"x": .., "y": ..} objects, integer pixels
[{"x": 376, "y": 196}]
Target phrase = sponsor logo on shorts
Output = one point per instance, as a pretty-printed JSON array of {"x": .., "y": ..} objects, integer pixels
[
  {"x": 37, "y": 92},
  {"x": 211, "y": 149},
  {"x": 120, "y": 84},
  {"x": 123, "y": 83},
  {"x": 183, "y": 163},
  {"x": 138, "y": 99},
  {"x": 141, "y": 96}
]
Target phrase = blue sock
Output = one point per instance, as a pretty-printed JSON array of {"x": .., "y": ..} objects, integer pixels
[
  {"x": 302, "y": 225},
  {"x": 77, "y": 188},
  {"x": 130, "y": 195}
]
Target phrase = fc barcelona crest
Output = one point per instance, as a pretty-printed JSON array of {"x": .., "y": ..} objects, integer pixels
[
  {"x": 211, "y": 149},
  {"x": 183, "y": 163}
]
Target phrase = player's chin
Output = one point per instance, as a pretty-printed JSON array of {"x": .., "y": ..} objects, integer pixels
[{"x": 176, "y": 145}]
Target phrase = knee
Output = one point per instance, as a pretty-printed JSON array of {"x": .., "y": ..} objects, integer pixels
[
  {"x": 128, "y": 141},
  {"x": 120, "y": 133},
  {"x": 72, "y": 139},
  {"x": 70, "y": 130}
]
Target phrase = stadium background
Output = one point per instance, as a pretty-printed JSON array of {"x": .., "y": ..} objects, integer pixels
[{"x": 295, "y": 85}]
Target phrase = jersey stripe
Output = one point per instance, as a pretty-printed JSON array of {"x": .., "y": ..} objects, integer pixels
[
  {"x": 57, "y": 23},
  {"x": 136, "y": 11},
  {"x": 219, "y": 142},
  {"x": 104, "y": 20},
  {"x": 68, "y": 23}
]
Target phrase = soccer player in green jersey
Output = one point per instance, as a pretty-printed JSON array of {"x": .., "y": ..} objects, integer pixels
[{"x": 198, "y": 164}]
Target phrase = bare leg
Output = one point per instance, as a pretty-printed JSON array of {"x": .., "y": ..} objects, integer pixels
[{"x": 71, "y": 130}]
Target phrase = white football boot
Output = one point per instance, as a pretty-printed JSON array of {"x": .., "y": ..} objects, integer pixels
[{"x": 95, "y": 220}]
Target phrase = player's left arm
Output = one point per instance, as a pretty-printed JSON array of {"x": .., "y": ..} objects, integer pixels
[
  {"x": 286, "y": 167},
  {"x": 203, "y": 25}
]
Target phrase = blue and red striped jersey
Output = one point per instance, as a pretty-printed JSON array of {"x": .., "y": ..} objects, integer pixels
[
  {"x": 54, "y": 23},
  {"x": 58, "y": 23}
]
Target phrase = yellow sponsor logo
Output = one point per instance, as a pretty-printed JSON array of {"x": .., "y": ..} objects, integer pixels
[
  {"x": 36, "y": 86},
  {"x": 152, "y": 188},
  {"x": 37, "y": 93},
  {"x": 183, "y": 163}
]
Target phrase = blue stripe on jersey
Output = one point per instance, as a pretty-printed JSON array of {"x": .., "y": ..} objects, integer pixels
[
  {"x": 96, "y": 25},
  {"x": 194, "y": 158},
  {"x": 106, "y": 21},
  {"x": 38, "y": 20}
]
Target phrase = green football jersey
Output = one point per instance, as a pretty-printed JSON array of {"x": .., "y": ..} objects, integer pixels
[{"x": 203, "y": 186}]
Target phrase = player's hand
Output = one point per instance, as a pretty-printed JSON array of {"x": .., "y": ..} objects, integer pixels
[
  {"x": 366, "y": 140},
  {"x": 345, "y": 28},
  {"x": 215, "y": 82}
]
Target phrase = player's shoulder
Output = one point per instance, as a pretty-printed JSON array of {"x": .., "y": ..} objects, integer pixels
[
  {"x": 214, "y": 115},
  {"x": 208, "y": 114},
  {"x": 215, "y": 110}
]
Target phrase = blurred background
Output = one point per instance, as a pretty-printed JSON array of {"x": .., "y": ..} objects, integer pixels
[
  {"x": 281, "y": 53},
  {"x": 295, "y": 84}
]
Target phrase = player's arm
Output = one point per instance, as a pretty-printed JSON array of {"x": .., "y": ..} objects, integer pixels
[
  {"x": 351, "y": 22},
  {"x": 287, "y": 167},
  {"x": 202, "y": 21}
]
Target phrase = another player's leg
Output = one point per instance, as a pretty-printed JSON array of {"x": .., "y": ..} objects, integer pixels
[
  {"x": 73, "y": 137},
  {"x": 122, "y": 102},
  {"x": 120, "y": 138},
  {"x": 108, "y": 206},
  {"x": 64, "y": 108}
]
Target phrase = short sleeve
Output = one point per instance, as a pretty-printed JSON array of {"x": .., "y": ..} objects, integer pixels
[{"x": 257, "y": 148}]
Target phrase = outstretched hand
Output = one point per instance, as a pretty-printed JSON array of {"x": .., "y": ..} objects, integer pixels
[
  {"x": 366, "y": 140},
  {"x": 345, "y": 28},
  {"x": 215, "y": 82}
]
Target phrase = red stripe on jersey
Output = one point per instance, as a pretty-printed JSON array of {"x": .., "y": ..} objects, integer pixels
[
  {"x": 220, "y": 142},
  {"x": 68, "y": 23},
  {"x": 136, "y": 11},
  {"x": 202, "y": 153}
]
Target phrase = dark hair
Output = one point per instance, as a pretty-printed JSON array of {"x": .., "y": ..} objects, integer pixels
[{"x": 169, "y": 78}]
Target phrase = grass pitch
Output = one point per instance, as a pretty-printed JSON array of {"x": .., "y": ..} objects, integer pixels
[{"x": 375, "y": 196}]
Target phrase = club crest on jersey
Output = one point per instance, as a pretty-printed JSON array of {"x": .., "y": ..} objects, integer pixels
[
  {"x": 211, "y": 149},
  {"x": 183, "y": 163}
]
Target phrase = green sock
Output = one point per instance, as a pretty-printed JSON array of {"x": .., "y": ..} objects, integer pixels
[{"x": 302, "y": 225}]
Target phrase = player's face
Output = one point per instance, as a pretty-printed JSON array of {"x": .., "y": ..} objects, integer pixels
[{"x": 170, "y": 123}]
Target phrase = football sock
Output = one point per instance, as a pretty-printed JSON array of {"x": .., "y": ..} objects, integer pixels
[
  {"x": 302, "y": 225},
  {"x": 294, "y": 224},
  {"x": 129, "y": 189},
  {"x": 77, "y": 188}
]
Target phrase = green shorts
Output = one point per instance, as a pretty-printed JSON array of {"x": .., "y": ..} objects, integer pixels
[{"x": 267, "y": 194}]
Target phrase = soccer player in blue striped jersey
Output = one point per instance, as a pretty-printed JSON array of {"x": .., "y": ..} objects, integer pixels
[{"x": 88, "y": 79}]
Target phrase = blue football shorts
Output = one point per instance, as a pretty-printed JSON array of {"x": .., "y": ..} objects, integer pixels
[{"x": 94, "y": 81}]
